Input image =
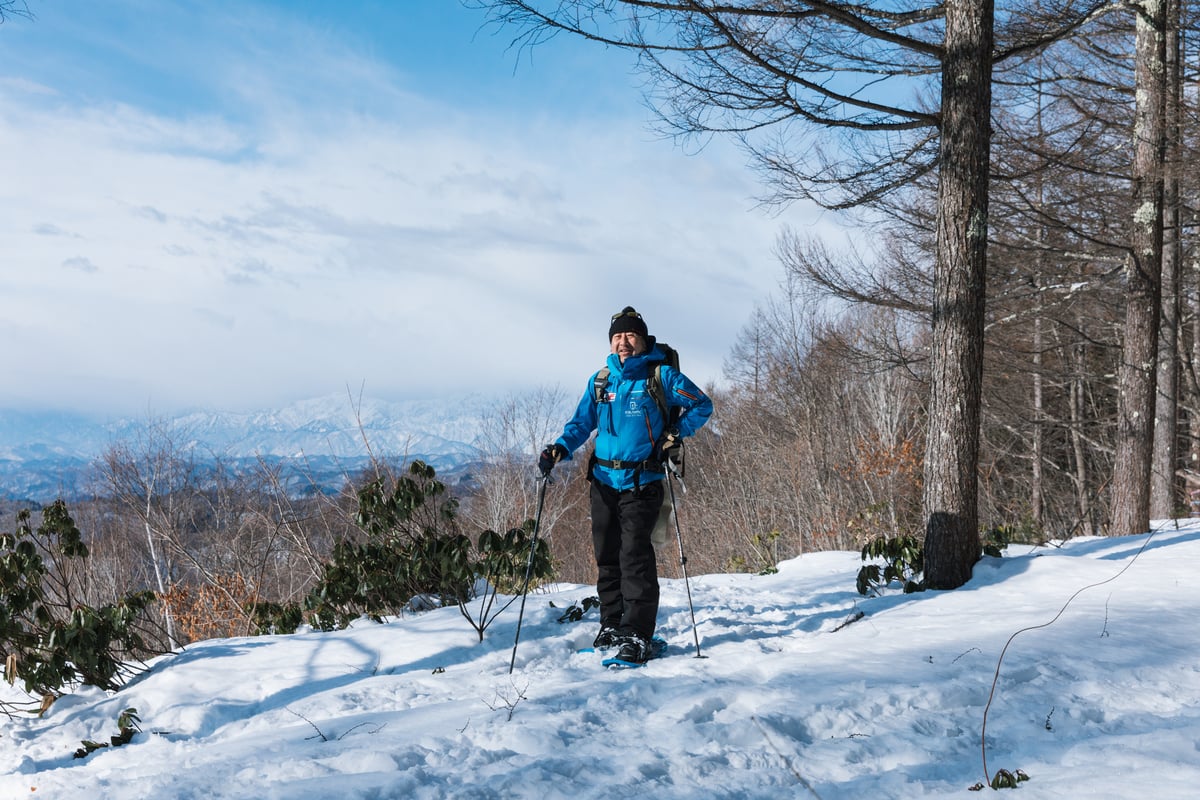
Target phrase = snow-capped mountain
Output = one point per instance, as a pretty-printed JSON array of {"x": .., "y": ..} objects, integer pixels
[
  {"x": 44, "y": 455},
  {"x": 333, "y": 426}
]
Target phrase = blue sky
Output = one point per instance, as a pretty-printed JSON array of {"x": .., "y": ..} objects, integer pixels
[{"x": 234, "y": 205}]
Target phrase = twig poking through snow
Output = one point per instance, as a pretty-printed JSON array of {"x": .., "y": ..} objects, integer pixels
[{"x": 853, "y": 618}]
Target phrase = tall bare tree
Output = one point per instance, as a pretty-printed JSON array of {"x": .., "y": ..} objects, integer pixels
[
  {"x": 1143, "y": 276},
  {"x": 1163, "y": 483},
  {"x": 150, "y": 479}
]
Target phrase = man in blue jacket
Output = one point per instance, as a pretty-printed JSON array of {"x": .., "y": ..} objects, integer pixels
[{"x": 633, "y": 439}]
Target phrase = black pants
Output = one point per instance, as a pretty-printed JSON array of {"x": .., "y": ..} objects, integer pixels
[{"x": 627, "y": 582}]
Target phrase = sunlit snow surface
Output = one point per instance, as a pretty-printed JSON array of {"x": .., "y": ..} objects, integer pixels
[{"x": 788, "y": 701}]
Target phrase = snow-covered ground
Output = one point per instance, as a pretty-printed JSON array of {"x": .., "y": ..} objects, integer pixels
[{"x": 1100, "y": 700}]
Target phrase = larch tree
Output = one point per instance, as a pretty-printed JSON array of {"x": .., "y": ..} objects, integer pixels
[
  {"x": 1164, "y": 494},
  {"x": 1143, "y": 275}
]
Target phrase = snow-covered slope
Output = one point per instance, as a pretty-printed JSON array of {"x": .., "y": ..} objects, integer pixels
[{"x": 1098, "y": 696}]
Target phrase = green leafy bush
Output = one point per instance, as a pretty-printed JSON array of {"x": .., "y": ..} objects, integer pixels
[
  {"x": 997, "y": 539},
  {"x": 49, "y": 638},
  {"x": 127, "y": 726},
  {"x": 577, "y": 611},
  {"x": 414, "y": 554},
  {"x": 1003, "y": 779},
  {"x": 413, "y": 549},
  {"x": 275, "y": 617},
  {"x": 501, "y": 562},
  {"x": 903, "y": 562}
]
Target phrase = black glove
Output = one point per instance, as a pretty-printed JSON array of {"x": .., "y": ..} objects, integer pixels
[
  {"x": 551, "y": 455},
  {"x": 668, "y": 448}
]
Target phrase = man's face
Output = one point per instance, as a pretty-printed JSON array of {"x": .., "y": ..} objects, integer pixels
[{"x": 626, "y": 344}]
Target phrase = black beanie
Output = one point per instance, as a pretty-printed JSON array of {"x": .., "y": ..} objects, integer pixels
[{"x": 627, "y": 320}]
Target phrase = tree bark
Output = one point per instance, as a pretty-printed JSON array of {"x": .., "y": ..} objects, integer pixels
[
  {"x": 1143, "y": 275},
  {"x": 951, "y": 502}
]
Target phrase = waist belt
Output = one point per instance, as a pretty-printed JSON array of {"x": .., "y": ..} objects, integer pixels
[
  {"x": 647, "y": 466},
  {"x": 638, "y": 468}
]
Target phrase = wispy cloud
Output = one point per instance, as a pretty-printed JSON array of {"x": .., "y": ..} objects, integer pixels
[
  {"x": 49, "y": 229},
  {"x": 80, "y": 264}
]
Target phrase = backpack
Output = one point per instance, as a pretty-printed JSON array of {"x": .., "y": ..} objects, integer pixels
[{"x": 655, "y": 386}]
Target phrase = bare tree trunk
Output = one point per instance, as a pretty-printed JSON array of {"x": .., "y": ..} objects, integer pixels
[
  {"x": 1037, "y": 502},
  {"x": 951, "y": 502},
  {"x": 1076, "y": 403},
  {"x": 1143, "y": 274},
  {"x": 157, "y": 564},
  {"x": 137, "y": 479},
  {"x": 1192, "y": 385},
  {"x": 1163, "y": 485}
]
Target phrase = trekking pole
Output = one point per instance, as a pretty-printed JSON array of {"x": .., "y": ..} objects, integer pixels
[
  {"x": 537, "y": 523},
  {"x": 671, "y": 471}
]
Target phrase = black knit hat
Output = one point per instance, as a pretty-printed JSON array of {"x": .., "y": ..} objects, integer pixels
[{"x": 627, "y": 320}]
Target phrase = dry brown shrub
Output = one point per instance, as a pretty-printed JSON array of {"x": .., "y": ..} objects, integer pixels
[{"x": 211, "y": 611}]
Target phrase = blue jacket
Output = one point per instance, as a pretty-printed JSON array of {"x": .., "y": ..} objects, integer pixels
[{"x": 628, "y": 422}]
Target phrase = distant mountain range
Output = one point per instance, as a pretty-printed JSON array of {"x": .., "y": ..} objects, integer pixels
[{"x": 51, "y": 454}]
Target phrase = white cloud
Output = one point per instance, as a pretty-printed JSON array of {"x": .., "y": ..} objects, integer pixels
[{"x": 428, "y": 248}]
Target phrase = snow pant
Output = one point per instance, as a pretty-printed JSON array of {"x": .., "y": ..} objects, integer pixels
[{"x": 627, "y": 581}]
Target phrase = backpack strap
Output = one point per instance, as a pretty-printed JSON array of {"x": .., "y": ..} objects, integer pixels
[
  {"x": 599, "y": 384},
  {"x": 655, "y": 386}
]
